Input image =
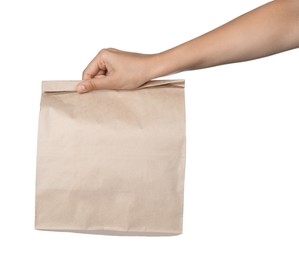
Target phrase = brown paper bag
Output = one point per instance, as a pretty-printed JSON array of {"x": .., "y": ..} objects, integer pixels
[{"x": 111, "y": 161}]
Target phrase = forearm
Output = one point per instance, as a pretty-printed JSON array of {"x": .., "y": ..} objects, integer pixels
[{"x": 267, "y": 30}]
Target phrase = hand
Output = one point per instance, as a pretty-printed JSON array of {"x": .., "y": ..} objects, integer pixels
[{"x": 115, "y": 69}]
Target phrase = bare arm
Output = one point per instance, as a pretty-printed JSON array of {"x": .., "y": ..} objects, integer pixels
[{"x": 269, "y": 29}]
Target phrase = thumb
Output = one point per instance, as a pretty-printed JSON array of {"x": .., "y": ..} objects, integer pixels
[{"x": 93, "y": 84}]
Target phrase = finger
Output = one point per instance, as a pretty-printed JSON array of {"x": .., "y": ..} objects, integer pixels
[
  {"x": 103, "y": 82},
  {"x": 95, "y": 67}
]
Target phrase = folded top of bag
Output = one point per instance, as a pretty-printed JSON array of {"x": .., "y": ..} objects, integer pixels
[{"x": 70, "y": 85}]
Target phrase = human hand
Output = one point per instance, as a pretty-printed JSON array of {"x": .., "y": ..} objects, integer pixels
[{"x": 115, "y": 69}]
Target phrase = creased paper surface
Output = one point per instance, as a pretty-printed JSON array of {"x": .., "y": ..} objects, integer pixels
[{"x": 111, "y": 161}]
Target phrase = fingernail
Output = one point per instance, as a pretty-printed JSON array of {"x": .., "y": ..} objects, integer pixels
[{"x": 82, "y": 88}]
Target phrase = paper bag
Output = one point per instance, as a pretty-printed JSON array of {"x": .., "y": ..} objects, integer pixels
[{"x": 111, "y": 161}]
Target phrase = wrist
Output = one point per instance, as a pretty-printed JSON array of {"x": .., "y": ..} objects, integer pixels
[
  {"x": 172, "y": 61},
  {"x": 160, "y": 65}
]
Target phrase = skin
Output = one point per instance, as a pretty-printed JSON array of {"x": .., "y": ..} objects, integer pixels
[{"x": 264, "y": 31}]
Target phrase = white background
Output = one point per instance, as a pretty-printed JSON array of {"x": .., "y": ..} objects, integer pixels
[{"x": 241, "y": 190}]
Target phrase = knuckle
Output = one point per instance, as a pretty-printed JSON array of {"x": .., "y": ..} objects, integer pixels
[
  {"x": 103, "y": 53},
  {"x": 107, "y": 51},
  {"x": 92, "y": 85}
]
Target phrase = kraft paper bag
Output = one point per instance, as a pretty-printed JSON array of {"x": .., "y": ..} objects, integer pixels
[{"x": 111, "y": 161}]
